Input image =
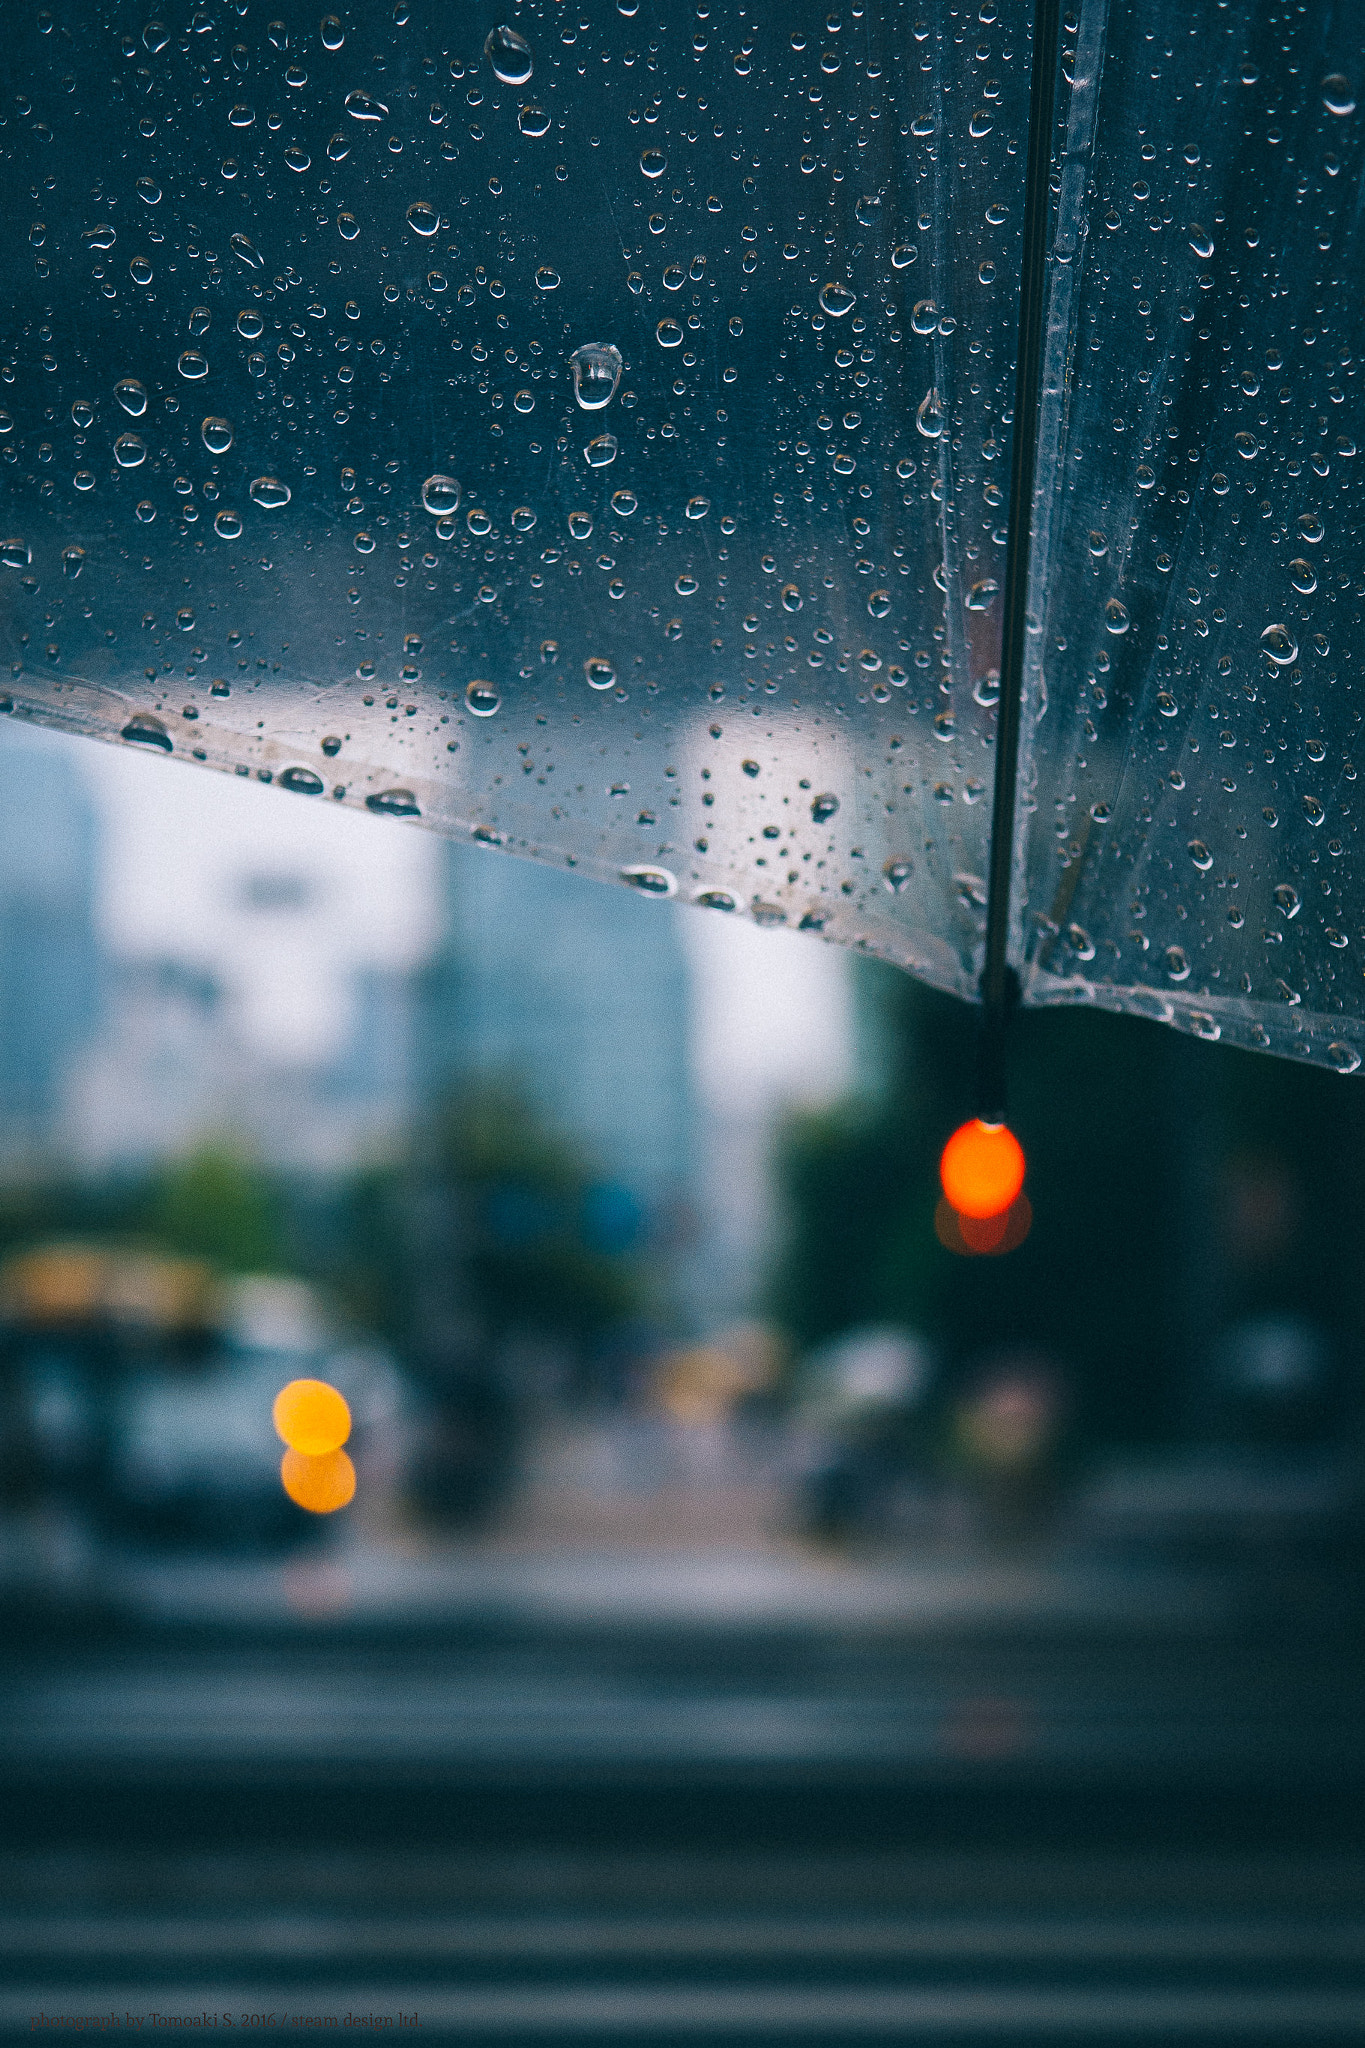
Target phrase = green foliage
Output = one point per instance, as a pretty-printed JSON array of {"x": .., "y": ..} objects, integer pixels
[{"x": 214, "y": 1204}]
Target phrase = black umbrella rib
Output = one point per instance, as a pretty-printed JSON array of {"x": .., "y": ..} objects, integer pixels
[{"x": 999, "y": 983}]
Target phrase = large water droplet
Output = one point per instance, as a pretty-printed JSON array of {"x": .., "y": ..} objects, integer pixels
[
  {"x": 217, "y": 434},
  {"x": 596, "y": 370},
  {"x": 1116, "y": 616},
  {"x": 509, "y": 53},
  {"x": 1338, "y": 96},
  {"x": 1200, "y": 855},
  {"x": 879, "y": 603},
  {"x": 668, "y": 334},
  {"x": 297, "y": 159},
  {"x": 651, "y": 881},
  {"x": 303, "y": 781},
  {"x": 148, "y": 191},
  {"x": 929, "y": 416},
  {"x": 269, "y": 493},
  {"x": 393, "y": 803},
  {"x": 1287, "y": 900},
  {"x": 601, "y": 451},
  {"x": 1246, "y": 445},
  {"x": 250, "y": 325},
  {"x": 101, "y": 237},
  {"x": 193, "y": 365},
  {"x": 599, "y": 672},
  {"x": 15, "y": 554},
  {"x": 836, "y": 300},
  {"x": 227, "y": 525},
  {"x": 1343, "y": 1057},
  {"x": 482, "y": 699},
  {"x": 130, "y": 450},
  {"x": 897, "y": 875},
  {"x": 791, "y": 597},
  {"x": 1280, "y": 645},
  {"x": 246, "y": 251},
  {"x": 1302, "y": 576},
  {"x": 1311, "y": 527},
  {"x": 697, "y": 508},
  {"x": 132, "y": 396},
  {"x": 1201, "y": 241},
  {"x": 533, "y": 120},
  {"x": 982, "y": 595},
  {"x": 144, "y": 730},
  {"x": 623, "y": 503},
  {"x": 423, "y": 217},
  {"x": 363, "y": 106},
  {"x": 1177, "y": 966},
  {"x": 653, "y": 163},
  {"x": 332, "y": 33},
  {"x": 824, "y": 806},
  {"x": 73, "y": 560}
]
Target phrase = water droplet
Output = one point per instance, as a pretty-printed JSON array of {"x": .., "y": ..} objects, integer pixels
[
  {"x": 140, "y": 270},
  {"x": 217, "y": 434},
  {"x": 929, "y": 416},
  {"x": 132, "y": 396},
  {"x": 599, "y": 672},
  {"x": 897, "y": 875},
  {"x": 981, "y": 123},
  {"x": 130, "y": 450},
  {"x": 148, "y": 191},
  {"x": 716, "y": 899},
  {"x": 101, "y": 237},
  {"x": 879, "y": 603},
  {"x": 653, "y": 163},
  {"x": 836, "y": 300},
  {"x": 144, "y": 730},
  {"x": 1337, "y": 94},
  {"x": 73, "y": 560},
  {"x": 193, "y": 365},
  {"x": 652, "y": 881},
  {"x": 668, "y": 333},
  {"x": 227, "y": 525},
  {"x": 478, "y": 521},
  {"x": 362, "y": 106},
  {"x": 297, "y": 160},
  {"x": 1302, "y": 577},
  {"x": 1098, "y": 545},
  {"x": 1177, "y": 966},
  {"x": 482, "y": 699},
  {"x": 533, "y": 120},
  {"x": 441, "y": 496},
  {"x": 509, "y": 53},
  {"x": 250, "y": 325},
  {"x": 1116, "y": 616},
  {"x": 623, "y": 503},
  {"x": 1287, "y": 900},
  {"x": 697, "y": 508},
  {"x": 1343, "y": 1057},
  {"x": 1246, "y": 445},
  {"x": 547, "y": 280},
  {"x": 1311, "y": 527},
  {"x": 269, "y": 493},
  {"x": 303, "y": 781},
  {"x": 924, "y": 316},
  {"x": 523, "y": 519},
  {"x": 246, "y": 252},
  {"x": 1201, "y": 241},
  {"x": 1280, "y": 645},
  {"x": 1200, "y": 855},
  {"x": 903, "y": 255},
  {"x": 982, "y": 595},
  {"x": 600, "y": 451},
  {"x": 423, "y": 217},
  {"x": 1313, "y": 811},
  {"x": 332, "y": 33},
  {"x": 824, "y": 806},
  {"x": 596, "y": 368},
  {"x": 393, "y": 803}
]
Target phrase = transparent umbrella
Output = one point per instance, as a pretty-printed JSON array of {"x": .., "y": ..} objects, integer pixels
[{"x": 594, "y": 432}]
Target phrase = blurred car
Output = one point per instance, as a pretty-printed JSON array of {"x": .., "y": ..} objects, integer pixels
[{"x": 859, "y": 1428}]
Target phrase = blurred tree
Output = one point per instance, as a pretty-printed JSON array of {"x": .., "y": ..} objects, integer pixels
[{"x": 214, "y": 1204}]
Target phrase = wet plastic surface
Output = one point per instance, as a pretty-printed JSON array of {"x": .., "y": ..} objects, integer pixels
[{"x": 591, "y": 434}]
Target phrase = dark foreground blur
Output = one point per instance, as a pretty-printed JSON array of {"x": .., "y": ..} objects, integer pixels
[{"x": 955, "y": 1650}]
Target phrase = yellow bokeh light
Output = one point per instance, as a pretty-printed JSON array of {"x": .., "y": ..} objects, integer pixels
[
  {"x": 322, "y": 1485},
  {"x": 311, "y": 1417}
]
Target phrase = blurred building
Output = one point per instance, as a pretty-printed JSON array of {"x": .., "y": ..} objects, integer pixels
[
  {"x": 50, "y": 958},
  {"x": 577, "y": 995}
]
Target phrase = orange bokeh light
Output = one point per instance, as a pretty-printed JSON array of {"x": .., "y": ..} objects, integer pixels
[
  {"x": 322, "y": 1485},
  {"x": 982, "y": 1169},
  {"x": 983, "y": 1236},
  {"x": 311, "y": 1417}
]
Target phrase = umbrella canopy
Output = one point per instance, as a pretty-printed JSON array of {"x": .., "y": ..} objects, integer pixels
[{"x": 593, "y": 431}]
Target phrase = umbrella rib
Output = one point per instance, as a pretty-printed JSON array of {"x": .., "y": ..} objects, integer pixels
[{"x": 999, "y": 983}]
